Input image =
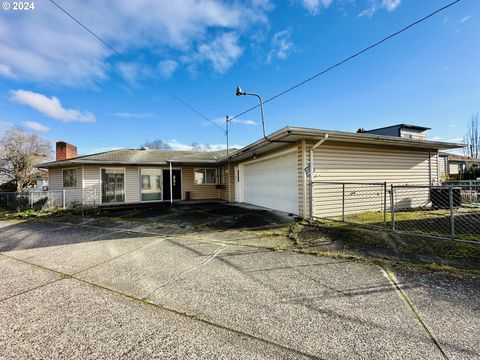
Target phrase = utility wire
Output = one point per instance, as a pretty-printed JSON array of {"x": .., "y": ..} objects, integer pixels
[
  {"x": 197, "y": 112},
  {"x": 348, "y": 58},
  {"x": 86, "y": 28},
  {"x": 118, "y": 53}
]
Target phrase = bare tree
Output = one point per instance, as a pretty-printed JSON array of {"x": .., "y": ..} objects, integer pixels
[
  {"x": 472, "y": 139},
  {"x": 197, "y": 147},
  {"x": 157, "y": 144},
  {"x": 19, "y": 153}
]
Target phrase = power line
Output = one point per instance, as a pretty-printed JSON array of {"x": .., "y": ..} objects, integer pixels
[
  {"x": 197, "y": 112},
  {"x": 86, "y": 28},
  {"x": 116, "y": 52},
  {"x": 348, "y": 58}
]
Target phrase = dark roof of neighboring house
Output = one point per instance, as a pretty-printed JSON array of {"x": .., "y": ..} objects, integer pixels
[
  {"x": 456, "y": 157},
  {"x": 402, "y": 126},
  {"x": 140, "y": 157}
]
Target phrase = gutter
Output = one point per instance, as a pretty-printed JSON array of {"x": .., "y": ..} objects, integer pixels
[{"x": 312, "y": 170}]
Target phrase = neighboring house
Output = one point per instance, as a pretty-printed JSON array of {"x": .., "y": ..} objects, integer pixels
[
  {"x": 273, "y": 172},
  {"x": 453, "y": 165},
  {"x": 400, "y": 130}
]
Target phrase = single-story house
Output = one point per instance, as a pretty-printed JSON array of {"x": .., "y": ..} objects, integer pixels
[
  {"x": 273, "y": 172},
  {"x": 453, "y": 165}
]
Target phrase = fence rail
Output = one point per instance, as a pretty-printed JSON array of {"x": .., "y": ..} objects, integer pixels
[
  {"x": 445, "y": 212},
  {"x": 37, "y": 200}
]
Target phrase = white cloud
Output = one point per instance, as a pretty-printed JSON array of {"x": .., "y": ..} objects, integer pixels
[
  {"x": 167, "y": 68},
  {"x": 52, "y": 48},
  {"x": 247, "y": 122},
  {"x": 5, "y": 71},
  {"x": 221, "y": 121},
  {"x": 221, "y": 53},
  {"x": 466, "y": 18},
  {"x": 33, "y": 125},
  {"x": 375, "y": 5},
  {"x": 5, "y": 125},
  {"x": 175, "y": 145},
  {"x": 314, "y": 6},
  {"x": 131, "y": 115},
  {"x": 49, "y": 106},
  {"x": 391, "y": 5},
  {"x": 282, "y": 45}
]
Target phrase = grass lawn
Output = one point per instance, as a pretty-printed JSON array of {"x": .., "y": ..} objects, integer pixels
[{"x": 427, "y": 222}]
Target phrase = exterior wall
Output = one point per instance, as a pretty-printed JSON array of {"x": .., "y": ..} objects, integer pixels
[
  {"x": 346, "y": 162},
  {"x": 72, "y": 194},
  {"x": 413, "y": 134},
  {"x": 453, "y": 168},
  {"x": 89, "y": 178},
  {"x": 227, "y": 191},
  {"x": 198, "y": 192}
]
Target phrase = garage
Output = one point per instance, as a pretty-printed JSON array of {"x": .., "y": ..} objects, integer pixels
[{"x": 272, "y": 182}]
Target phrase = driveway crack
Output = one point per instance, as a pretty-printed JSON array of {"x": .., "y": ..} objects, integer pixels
[
  {"x": 176, "y": 278},
  {"x": 122, "y": 254},
  {"x": 413, "y": 310}
]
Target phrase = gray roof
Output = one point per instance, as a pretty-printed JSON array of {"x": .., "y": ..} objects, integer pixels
[
  {"x": 140, "y": 157},
  {"x": 288, "y": 134}
]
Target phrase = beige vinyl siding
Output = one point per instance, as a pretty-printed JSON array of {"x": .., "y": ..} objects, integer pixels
[
  {"x": 412, "y": 134},
  {"x": 57, "y": 191},
  {"x": 132, "y": 184},
  {"x": 91, "y": 185},
  {"x": 443, "y": 167},
  {"x": 302, "y": 179},
  {"x": 198, "y": 192},
  {"x": 227, "y": 192},
  {"x": 346, "y": 162}
]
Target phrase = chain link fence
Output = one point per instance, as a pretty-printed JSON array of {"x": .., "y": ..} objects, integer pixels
[
  {"x": 52, "y": 199},
  {"x": 447, "y": 211}
]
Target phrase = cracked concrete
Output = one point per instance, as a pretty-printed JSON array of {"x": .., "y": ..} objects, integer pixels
[{"x": 213, "y": 299}]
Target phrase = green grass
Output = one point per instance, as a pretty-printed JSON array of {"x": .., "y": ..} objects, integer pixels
[{"x": 426, "y": 222}]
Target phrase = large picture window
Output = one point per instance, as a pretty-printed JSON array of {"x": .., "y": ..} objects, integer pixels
[
  {"x": 151, "y": 181},
  {"x": 205, "y": 176},
  {"x": 69, "y": 178},
  {"x": 113, "y": 185}
]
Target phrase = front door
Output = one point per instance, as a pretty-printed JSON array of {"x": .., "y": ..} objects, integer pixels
[{"x": 176, "y": 185}]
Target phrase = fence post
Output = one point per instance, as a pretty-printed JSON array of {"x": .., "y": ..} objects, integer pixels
[
  {"x": 452, "y": 218},
  {"x": 343, "y": 202},
  {"x": 392, "y": 206},
  {"x": 385, "y": 205},
  {"x": 63, "y": 198}
]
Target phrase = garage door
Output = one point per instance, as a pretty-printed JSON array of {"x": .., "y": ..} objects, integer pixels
[{"x": 273, "y": 183}]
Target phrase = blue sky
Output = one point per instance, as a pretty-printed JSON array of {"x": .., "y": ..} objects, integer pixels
[{"x": 57, "y": 80}]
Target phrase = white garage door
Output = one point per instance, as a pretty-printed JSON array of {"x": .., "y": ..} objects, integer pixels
[{"x": 273, "y": 183}]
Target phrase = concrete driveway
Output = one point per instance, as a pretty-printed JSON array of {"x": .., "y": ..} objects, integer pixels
[{"x": 90, "y": 288}]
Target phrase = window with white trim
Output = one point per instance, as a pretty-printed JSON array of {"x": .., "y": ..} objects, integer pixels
[
  {"x": 205, "y": 176},
  {"x": 69, "y": 178}
]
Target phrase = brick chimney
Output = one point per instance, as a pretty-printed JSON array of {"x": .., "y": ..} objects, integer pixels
[{"x": 65, "y": 150}]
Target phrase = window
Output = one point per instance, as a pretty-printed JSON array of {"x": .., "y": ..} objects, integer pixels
[
  {"x": 146, "y": 182},
  {"x": 205, "y": 176},
  {"x": 70, "y": 178},
  {"x": 151, "y": 184},
  {"x": 113, "y": 185}
]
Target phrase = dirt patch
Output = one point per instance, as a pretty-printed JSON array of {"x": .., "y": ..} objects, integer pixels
[{"x": 377, "y": 244}]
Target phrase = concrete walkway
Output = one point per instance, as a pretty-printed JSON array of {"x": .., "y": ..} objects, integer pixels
[{"x": 91, "y": 290}]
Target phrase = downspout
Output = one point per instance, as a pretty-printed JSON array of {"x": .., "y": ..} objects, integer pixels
[
  {"x": 312, "y": 172},
  {"x": 430, "y": 167},
  {"x": 171, "y": 184}
]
